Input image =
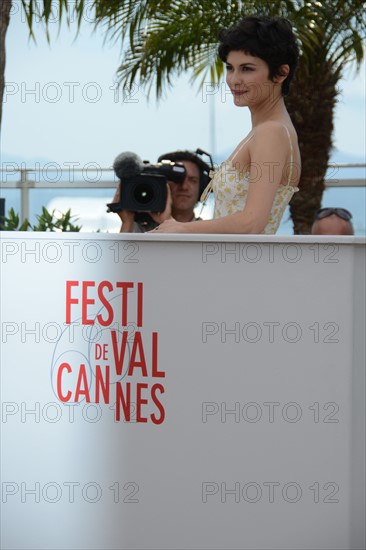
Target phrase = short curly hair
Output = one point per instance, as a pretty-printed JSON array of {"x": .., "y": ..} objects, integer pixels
[{"x": 269, "y": 38}]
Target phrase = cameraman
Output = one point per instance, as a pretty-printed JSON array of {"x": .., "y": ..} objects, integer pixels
[{"x": 181, "y": 200}]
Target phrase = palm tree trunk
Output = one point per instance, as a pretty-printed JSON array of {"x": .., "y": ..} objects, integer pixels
[
  {"x": 311, "y": 106},
  {"x": 4, "y": 23}
]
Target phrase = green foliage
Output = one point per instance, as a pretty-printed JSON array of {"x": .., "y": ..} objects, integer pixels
[
  {"x": 11, "y": 223},
  {"x": 47, "y": 11},
  {"x": 161, "y": 40},
  {"x": 166, "y": 39},
  {"x": 47, "y": 221}
]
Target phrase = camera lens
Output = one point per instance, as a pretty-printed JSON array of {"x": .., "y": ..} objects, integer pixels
[{"x": 143, "y": 193}]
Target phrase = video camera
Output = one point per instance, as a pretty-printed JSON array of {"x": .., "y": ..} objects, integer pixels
[{"x": 142, "y": 185}]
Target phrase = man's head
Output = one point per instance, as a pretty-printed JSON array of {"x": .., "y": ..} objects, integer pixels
[
  {"x": 185, "y": 195},
  {"x": 332, "y": 221}
]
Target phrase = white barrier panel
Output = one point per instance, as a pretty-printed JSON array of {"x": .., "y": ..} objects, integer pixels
[{"x": 182, "y": 392}]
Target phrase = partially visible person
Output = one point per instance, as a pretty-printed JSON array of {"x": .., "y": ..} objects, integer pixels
[
  {"x": 182, "y": 197},
  {"x": 332, "y": 221},
  {"x": 185, "y": 195}
]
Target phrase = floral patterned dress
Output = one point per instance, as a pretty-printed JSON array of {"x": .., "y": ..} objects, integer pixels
[{"x": 231, "y": 189}]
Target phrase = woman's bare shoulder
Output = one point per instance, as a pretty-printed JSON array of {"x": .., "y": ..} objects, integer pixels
[
  {"x": 273, "y": 127},
  {"x": 274, "y": 133}
]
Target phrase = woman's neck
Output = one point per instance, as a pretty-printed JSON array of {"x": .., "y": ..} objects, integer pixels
[{"x": 275, "y": 110}]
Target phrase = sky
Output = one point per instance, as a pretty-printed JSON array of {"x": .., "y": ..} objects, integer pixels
[{"x": 62, "y": 105}]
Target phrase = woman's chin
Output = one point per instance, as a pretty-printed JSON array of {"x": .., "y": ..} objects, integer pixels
[{"x": 240, "y": 101}]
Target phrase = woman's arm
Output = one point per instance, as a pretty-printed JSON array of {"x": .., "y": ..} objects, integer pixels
[{"x": 269, "y": 153}]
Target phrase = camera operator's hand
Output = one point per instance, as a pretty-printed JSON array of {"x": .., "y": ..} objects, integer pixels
[
  {"x": 127, "y": 217},
  {"x": 128, "y": 220},
  {"x": 160, "y": 217}
]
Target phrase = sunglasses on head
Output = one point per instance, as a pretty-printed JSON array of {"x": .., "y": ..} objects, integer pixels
[{"x": 340, "y": 212}]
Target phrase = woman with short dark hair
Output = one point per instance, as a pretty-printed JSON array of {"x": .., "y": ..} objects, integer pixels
[{"x": 254, "y": 185}]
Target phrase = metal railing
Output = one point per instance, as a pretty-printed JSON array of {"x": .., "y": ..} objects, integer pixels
[{"x": 35, "y": 178}]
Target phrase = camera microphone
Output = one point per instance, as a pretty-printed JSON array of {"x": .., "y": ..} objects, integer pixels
[{"x": 127, "y": 164}]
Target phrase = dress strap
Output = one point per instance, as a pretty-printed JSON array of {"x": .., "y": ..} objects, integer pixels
[
  {"x": 241, "y": 146},
  {"x": 291, "y": 156},
  {"x": 207, "y": 190}
]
